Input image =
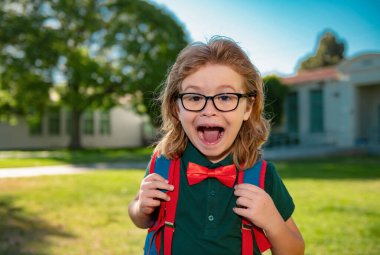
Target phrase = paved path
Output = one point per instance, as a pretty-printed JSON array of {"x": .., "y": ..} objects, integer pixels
[
  {"x": 66, "y": 169},
  {"x": 269, "y": 154}
]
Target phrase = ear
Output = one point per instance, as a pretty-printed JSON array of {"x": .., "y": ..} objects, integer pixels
[
  {"x": 176, "y": 110},
  {"x": 248, "y": 109}
]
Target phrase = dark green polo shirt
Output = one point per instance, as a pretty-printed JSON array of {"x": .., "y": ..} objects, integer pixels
[{"x": 205, "y": 222}]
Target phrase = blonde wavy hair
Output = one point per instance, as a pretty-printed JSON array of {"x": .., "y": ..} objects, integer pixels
[{"x": 224, "y": 51}]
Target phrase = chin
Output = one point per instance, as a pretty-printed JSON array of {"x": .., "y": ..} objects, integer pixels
[{"x": 214, "y": 153}]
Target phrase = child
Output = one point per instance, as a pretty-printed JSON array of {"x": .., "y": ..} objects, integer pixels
[{"x": 212, "y": 105}]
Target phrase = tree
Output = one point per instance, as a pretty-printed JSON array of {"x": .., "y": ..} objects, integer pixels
[
  {"x": 83, "y": 55},
  {"x": 330, "y": 52},
  {"x": 275, "y": 94}
]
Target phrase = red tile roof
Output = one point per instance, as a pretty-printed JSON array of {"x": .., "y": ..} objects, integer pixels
[{"x": 320, "y": 74}]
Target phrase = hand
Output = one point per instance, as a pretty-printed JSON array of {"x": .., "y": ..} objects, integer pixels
[
  {"x": 255, "y": 205},
  {"x": 150, "y": 195}
]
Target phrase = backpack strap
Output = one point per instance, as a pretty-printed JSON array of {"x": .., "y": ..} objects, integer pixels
[
  {"x": 256, "y": 176},
  {"x": 169, "y": 169},
  {"x": 171, "y": 206}
]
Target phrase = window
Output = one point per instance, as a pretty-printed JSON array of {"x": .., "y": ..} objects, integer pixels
[
  {"x": 316, "y": 111},
  {"x": 292, "y": 112},
  {"x": 88, "y": 123},
  {"x": 35, "y": 128},
  {"x": 54, "y": 122},
  {"x": 105, "y": 123},
  {"x": 69, "y": 122}
]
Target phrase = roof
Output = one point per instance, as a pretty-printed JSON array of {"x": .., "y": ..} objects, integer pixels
[{"x": 320, "y": 74}]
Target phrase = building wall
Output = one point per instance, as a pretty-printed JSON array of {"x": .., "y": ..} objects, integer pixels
[
  {"x": 345, "y": 115},
  {"x": 362, "y": 76},
  {"x": 351, "y": 105},
  {"x": 368, "y": 129},
  {"x": 330, "y": 113},
  {"x": 126, "y": 131}
]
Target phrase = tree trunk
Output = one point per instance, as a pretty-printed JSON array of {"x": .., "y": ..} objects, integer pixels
[{"x": 75, "y": 139}]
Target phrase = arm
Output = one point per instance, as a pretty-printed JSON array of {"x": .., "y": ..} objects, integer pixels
[
  {"x": 287, "y": 239},
  {"x": 141, "y": 208},
  {"x": 257, "y": 206}
]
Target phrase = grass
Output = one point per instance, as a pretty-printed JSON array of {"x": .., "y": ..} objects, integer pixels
[
  {"x": 9, "y": 159},
  {"x": 337, "y": 206},
  {"x": 73, "y": 214},
  {"x": 337, "y": 209}
]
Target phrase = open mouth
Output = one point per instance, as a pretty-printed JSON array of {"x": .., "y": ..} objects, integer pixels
[{"x": 210, "y": 135}]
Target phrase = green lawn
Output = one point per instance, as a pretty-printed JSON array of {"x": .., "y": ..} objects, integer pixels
[
  {"x": 61, "y": 157},
  {"x": 337, "y": 209}
]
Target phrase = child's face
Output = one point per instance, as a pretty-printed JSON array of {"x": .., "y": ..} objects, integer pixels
[{"x": 212, "y": 131}]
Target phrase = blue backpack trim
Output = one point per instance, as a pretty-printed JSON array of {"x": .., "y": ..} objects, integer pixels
[
  {"x": 252, "y": 175},
  {"x": 161, "y": 167}
]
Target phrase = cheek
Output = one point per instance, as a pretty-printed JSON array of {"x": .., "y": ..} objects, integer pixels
[{"x": 186, "y": 118}]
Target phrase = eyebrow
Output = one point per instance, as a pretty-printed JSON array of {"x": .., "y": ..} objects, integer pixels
[{"x": 195, "y": 87}]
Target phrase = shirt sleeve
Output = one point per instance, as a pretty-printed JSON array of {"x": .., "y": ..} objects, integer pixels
[{"x": 275, "y": 187}]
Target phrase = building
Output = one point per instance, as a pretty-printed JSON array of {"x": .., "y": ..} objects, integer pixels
[
  {"x": 336, "y": 106},
  {"x": 119, "y": 127},
  {"x": 333, "y": 107}
]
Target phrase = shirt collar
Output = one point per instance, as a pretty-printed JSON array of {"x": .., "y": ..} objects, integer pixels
[{"x": 192, "y": 154}]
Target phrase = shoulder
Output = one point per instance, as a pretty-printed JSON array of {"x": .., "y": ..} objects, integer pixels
[
  {"x": 276, "y": 188},
  {"x": 272, "y": 177},
  {"x": 271, "y": 171}
]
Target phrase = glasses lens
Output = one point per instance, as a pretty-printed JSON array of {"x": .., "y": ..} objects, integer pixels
[
  {"x": 226, "y": 102},
  {"x": 193, "y": 102}
]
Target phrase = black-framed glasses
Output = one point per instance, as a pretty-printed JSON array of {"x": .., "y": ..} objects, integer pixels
[{"x": 224, "y": 102}]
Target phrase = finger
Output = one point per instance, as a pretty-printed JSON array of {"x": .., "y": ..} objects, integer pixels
[
  {"x": 245, "y": 193},
  {"x": 156, "y": 194},
  {"x": 153, "y": 194},
  {"x": 158, "y": 185},
  {"x": 151, "y": 203},
  {"x": 243, "y": 202},
  {"x": 156, "y": 177},
  {"x": 241, "y": 211},
  {"x": 247, "y": 186}
]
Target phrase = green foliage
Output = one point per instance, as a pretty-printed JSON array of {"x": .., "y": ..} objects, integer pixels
[
  {"x": 88, "y": 53},
  {"x": 275, "y": 94},
  {"x": 330, "y": 52}
]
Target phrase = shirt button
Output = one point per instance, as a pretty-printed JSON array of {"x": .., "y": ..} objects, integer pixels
[
  {"x": 211, "y": 218},
  {"x": 212, "y": 193}
]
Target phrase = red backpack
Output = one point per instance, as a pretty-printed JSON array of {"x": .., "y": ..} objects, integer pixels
[{"x": 170, "y": 170}]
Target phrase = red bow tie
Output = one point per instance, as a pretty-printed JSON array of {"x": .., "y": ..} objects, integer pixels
[{"x": 225, "y": 174}]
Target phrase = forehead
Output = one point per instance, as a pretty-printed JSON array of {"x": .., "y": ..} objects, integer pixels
[{"x": 213, "y": 77}]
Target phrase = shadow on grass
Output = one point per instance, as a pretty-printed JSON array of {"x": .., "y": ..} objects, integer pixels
[
  {"x": 22, "y": 233},
  {"x": 358, "y": 168}
]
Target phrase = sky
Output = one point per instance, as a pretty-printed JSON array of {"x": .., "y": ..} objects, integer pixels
[{"x": 277, "y": 34}]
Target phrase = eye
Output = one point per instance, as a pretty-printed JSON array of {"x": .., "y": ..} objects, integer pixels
[
  {"x": 193, "y": 97},
  {"x": 225, "y": 97}
]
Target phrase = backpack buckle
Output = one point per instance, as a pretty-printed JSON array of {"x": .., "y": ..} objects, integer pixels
[
  {"x": 169, "y": 224},
  {"x": 246, "y": 226}
]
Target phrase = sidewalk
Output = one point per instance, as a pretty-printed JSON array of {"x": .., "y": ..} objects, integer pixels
[{"x": 66, "y": 169}]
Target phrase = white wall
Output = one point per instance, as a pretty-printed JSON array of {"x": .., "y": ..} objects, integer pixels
[
  {"x": 126, "y": 131},
  {"x": 349, "y": 111}
]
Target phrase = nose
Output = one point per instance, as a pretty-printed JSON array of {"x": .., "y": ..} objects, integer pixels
[{"x": 209, "y": 109}]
